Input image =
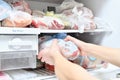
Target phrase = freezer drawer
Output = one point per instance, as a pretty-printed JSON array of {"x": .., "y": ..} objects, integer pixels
[
  {"x": 18, "y": 51},
  {"x": 17, "y": 42},
  {"x": 17, "y": 60}
]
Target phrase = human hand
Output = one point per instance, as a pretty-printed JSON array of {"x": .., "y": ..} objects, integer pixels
[
  {"x": 48, "y": 55},
  {"x": 80, "y": 44}
]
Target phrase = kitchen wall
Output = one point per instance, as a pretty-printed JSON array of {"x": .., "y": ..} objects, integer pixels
[{"x": 109, "y": 10}]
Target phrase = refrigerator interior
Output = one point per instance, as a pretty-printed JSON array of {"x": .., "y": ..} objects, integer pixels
[
  {"x": 108, "y": 10},
  {"x": 100, "y": 9}
]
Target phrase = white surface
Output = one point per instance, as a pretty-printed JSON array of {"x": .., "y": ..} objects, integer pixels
[
  {"x": 108, "y": 73},
  {"x": 26, "y": 42}
]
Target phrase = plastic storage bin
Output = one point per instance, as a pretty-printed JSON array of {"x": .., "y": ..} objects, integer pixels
[
  {"x": 18, "y": 49},
  {"x": 18, "y": 42},
  {"x": 17, "y": 59}
]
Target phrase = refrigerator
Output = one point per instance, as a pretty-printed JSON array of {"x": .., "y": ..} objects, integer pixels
[{"x": 20, "y": 42}]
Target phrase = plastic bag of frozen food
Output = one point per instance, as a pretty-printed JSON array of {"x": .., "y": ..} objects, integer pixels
[
  {"x": 47, "y": 22},
  {"x": 4, "y": 10},
  {"x": 92, "y": 63},
  {"x": 68, "y": 4},
  {"x": 17, "y": 19},
  {"x": 21, "y": 5},
  {"x": 69, "y": 49},
  {"x": 81, "y": 20}
]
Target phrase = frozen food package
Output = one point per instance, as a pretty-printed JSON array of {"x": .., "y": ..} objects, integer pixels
[
  {"x": 81, "y": 19},
  {"x": 68, "y": 48},
  {"x": 47, "y": 22},
  {"x": 5, "y": 8},
  {"x": 17, "y": 19},
  {"x": 20, "y": 5},
  {"x": 92, "y": 63},
  {"x": 68, "y": 4}
]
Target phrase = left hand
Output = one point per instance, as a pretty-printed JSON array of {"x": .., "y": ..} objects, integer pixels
[{"x": 48, "y": 55}]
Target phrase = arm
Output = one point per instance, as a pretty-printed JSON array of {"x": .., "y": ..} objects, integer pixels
[
  {"x": 64, "y": 69},
  {"x": 105, "y": 53},
  {"x": 111, "y": 55}
]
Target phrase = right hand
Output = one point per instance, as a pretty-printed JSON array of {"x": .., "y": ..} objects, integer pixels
[{"x": 79, "y": 43}]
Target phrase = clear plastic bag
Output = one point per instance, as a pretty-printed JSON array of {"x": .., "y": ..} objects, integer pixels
[
  {"x": 69, "y": 49},
  {"x": 81, "y": 20},
  {"x": 68, "y": 4},
  {"x": 20, "y": 5},
  {"x": 47, "y": 22},
  {"x": 92, "y": 63},
  {"x": 17, "y": 19},
  {"x": 4, "y": 10}
]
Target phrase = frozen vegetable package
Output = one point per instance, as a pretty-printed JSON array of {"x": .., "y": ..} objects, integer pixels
[{"x": 69, "y": 49}]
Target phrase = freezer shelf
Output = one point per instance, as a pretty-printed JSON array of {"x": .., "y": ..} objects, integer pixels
[{"x": 17, "y": 60}]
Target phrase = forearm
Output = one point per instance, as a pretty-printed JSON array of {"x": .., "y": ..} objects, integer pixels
[
  {"x": 66, "y": 70},
  {"x": 108, "y": 54}
]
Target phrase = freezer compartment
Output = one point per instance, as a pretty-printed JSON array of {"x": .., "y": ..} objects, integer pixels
[
  {"x": 17, "y": 42},
  {"x": 17, "y": 59}
]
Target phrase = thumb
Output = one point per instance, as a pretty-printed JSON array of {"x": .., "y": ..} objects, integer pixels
[{"x": 54, "y": 42}]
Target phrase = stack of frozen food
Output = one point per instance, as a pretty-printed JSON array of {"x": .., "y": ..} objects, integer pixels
[{"x": 69, "y": 15}]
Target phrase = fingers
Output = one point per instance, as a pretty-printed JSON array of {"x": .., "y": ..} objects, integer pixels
[
  {"x": 40, "y": 55},
  {"x": 67, "y": 38},
  {"x": 70, "y": 38}
]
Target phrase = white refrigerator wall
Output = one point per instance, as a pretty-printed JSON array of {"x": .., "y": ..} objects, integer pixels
[
  {"x": 41, "y": 5},
  {"x": 109, "y": 10}
]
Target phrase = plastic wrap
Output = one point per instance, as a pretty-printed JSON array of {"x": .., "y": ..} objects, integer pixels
[
  {"x": 5, "y": 9},
  {"x": 69, "y": 4},
  {"x": 92, "y": 63},
  {"x": 17, "y": 19},
  {"x": 81, "y": 19},
  {"x": 47, "y": 22},
  {"x": 68, "y": 48},
  {"x": 20, "y": 5}
]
